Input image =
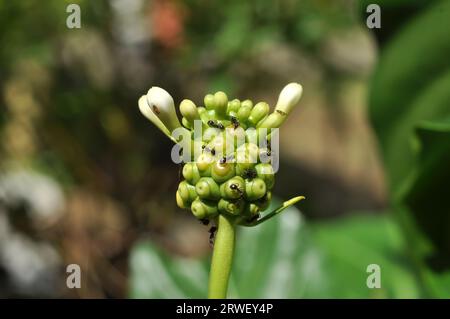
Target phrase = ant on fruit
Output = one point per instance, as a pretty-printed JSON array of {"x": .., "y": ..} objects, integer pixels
[
  {"x": 214, "y": 124},
  {"x": 235, "y": 122},
  {"x": 235, "y": 187}
]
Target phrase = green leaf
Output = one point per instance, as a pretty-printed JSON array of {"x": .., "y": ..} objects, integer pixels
[
  {"x": 410, "y": 110},
  {"x": 274, "y": 259},
  {"x": 286, "y": 258},
  {"x": 424, "y": 196},
  {"x": 351, "y": 244},
  {"x": 412, "y": 60},
  {"x": 400, "y": 154},
  {"x": 410, "y": 85}
]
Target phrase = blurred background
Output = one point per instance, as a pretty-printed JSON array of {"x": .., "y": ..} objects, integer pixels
[{"x": 85, "y": 179}]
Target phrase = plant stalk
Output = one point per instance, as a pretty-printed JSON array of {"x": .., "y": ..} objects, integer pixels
[{"x": 222, "y": 258}]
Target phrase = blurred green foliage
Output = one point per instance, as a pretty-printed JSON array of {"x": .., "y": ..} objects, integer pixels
[
  {"x": 410, "y": 108},
  {"x": 90, "y": 133},
  {"x": 286, "y": 258},
  {"x": 235, "y": 31},
  {"x": 410, "y": 111}
]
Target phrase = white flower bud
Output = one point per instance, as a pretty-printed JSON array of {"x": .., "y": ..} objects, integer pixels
[
  {"x": 161, "y": 105},
  {"x": 289, "y": 97},
  {"x": 147, "y": 112}
]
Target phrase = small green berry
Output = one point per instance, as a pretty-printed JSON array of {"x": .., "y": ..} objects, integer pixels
[
  {"x": 233, "y": 188},
  {"x": 210, "y": 103},
  {"x": 187, "y": 192},
  {"x": 190, "y": 173},
  {"x": 204, "y": 163},
  {"x": 265, "y": 172},
  {"x": 233, "y": 106},
  {"x": 244, "y": 111},
  {"x": 207, "y": 188},
  {"x": 203, "y": 209},
  {"x": 251, "y": 209},
  {"x": 189, "y": 111},
  {"x": 221, "y": 171},
  {"x": 221, "y": 103},
  {"x": 180, "y": 202},
  {"x": 254, "y": 188},
  {"x": 186, "y": 123},
  {"x": 259, "y": 112},
  {"x": 231, "y": 207}
]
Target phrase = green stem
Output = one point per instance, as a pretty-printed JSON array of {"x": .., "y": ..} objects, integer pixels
[
  {"x": 222, "y": 258},
  {"x": 276, "y": 211}
]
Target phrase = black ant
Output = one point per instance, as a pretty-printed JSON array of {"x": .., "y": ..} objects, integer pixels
[
  {"x": 235, "y": 187},
  {"x": 235, "y": 122},
  {"x": 268, "y": 147},
  {"x": 212, "y": 235},
  {"x": 214, "y": 124},
  {"x": 225, "y": 159},
  {"x": 205, "y": 221}
]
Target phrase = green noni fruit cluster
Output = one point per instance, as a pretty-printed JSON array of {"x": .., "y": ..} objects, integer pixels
[
  {"x": 230, "y": 164},
  {"x": 220, "y": 181}
]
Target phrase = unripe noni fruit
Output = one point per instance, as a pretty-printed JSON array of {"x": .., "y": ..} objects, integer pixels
[
  {"x": 259, "y": 111},
  {"x": 221, "y": 104},
  {"x": 187, "y": 192},
  {"x": 204, "y": 209},
  {"x": 180, "y": 202},
  {"x": 229, "y": 173},
  {"x": 244, "y": 111},
  {"x": 254, "y": 188},
  {"x": 204, "y": 162},
  {"x": 233, "y": 107},
  {"x": 209, "y": 101},
  {"x": 234, "y": 207},
  {"x": 207, "y": 188},
  {"x": 233, "y": 188},
  {"x": 251, "y": 209},
  {"x": 191, "y": 173},
  {"x": 222, "y": 171},
  {"x": 265, "y": 172},
  {"x": 189, "y": 111}
]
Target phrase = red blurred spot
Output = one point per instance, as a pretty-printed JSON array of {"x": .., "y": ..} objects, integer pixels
[{"x": 167, "y": 18}]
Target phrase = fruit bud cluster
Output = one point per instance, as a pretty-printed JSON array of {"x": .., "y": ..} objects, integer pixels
[{"x": 219, "y": 179}]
